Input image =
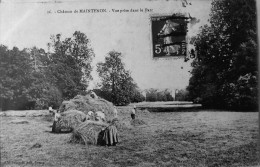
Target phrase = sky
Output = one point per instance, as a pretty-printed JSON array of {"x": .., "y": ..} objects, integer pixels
[{"x": 31, "y": 23}]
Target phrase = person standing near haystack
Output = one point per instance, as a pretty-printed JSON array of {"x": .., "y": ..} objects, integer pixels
[
  {"x": 57, "y": 117},
  {"x": 110, "y": 136},
  {"x": 133, "y": 111}
]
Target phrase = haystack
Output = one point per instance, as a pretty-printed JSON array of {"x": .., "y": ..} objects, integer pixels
[
  {"x": 88, "y": 103},
  {"x": 88, "y": 132},
  {"x": 68, "y": 121},
  {"x": 138, "y": 122}
]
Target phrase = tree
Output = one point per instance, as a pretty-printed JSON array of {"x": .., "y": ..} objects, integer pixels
[
  {"x": 137, "y": 96},
  {"x": 32, "y": 78},
  {"x": 6, "y": 80},
  {"x": 181, "y": 95},
  {"x": 71, "y": 63},
  {"x": 116, "y": 80},
  {"x": 151, "y": 95},
  {"x": 25, "y": 83},
  {"x": 15, "y": 77},
  {"x": 225, "y": 72}
]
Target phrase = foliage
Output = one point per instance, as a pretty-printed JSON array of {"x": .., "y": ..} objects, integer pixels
[
  {"x": 34, "y": 79},
  {"x": 225, "y": 72},
  {"x": 43, "y": 89},
  {"x": 137, "y": 96},
  {"x": 156, "y": 95},
  {"x": 71, "y": 63},
  {"x": 103, "y": 94},
  {"x": 117, "y": 84},
  {"x": 15, "y": 76},
  {"x": 25, "y": 83},
  {"x": 182, "y": 95}
]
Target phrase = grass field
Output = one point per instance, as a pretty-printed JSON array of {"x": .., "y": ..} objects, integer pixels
[{"x": 202, "y": 138}]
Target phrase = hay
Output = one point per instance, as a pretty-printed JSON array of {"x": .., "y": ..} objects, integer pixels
[
  {"x": 36, "y": 145},
  {"x": 137, "y": 122},
  {"x": 88, "y": 132},
  {"x": 68, "y": 121},
  {"x": 121, "y": 125},
  {"x": 87, "y": 103}
]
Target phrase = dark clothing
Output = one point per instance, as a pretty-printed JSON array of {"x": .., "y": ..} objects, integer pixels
[
  {"x": 109, "y": 136},
  {"x": 133, "y": 116}
]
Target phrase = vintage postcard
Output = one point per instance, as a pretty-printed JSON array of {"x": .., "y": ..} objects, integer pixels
[{"x": 129, "y": 83}]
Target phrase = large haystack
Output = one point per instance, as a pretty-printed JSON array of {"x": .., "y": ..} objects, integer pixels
[
  {"x": 88, "y": 103},
  {"x": 88, "y": 132},
  {"x": 68, "y": 121}
]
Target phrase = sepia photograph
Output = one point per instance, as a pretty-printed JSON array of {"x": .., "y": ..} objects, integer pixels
[{"x": 140, "y": 83}]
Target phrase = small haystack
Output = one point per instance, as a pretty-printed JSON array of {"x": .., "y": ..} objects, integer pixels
[
  {"x": 68, "y": 121},
  {"x": 88, "y": 132},
  {"x": 137, "y": 122},
  {"x": 88, "y": 103}
]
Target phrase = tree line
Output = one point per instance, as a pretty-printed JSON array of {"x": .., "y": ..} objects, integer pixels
[
  {"x": 32, "y": 78},
  {"x": 35, "y": 79}
]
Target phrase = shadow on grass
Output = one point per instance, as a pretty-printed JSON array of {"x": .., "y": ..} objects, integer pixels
[{"x": 62, "y": 132}]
